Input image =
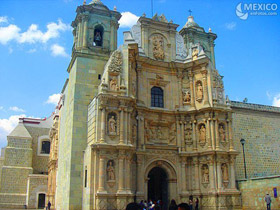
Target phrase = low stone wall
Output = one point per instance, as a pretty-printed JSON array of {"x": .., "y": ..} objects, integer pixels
[{"x": 253, "y": 192}]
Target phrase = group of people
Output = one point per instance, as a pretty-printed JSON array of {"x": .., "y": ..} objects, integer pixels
[{"x": 158, "y": 205}]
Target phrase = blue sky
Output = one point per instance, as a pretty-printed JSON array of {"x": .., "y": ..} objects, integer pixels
[{"x": 36, "y": 41}]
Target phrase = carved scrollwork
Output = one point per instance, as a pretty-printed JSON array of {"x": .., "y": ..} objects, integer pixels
[{"x": 116, "y": 61}]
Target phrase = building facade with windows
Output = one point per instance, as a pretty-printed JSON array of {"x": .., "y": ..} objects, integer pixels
[{"x": 24, "y": 165}]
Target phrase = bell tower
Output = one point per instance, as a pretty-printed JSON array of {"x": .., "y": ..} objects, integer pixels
[
  {"x": 95, "y": 38},
  {"x": 95, "y": 28}
]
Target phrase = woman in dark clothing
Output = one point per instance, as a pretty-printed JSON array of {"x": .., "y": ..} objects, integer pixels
[{"x": 173, "y": 205}]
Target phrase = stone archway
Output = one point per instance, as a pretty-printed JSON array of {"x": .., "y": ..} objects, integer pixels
[{"x": 161, "y": 182}]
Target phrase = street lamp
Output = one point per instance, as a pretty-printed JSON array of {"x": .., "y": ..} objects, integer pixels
[{"x": 242, "y": 141}]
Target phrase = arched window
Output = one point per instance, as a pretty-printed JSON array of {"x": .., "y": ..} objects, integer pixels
[
  {"x": 98, "y": 36},
  {"x": 46, "y": 145},
  {"x": 156, "y": 97}
]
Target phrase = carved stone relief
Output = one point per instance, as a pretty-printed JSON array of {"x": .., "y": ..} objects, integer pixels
[
  {"x": 225, "y": 176},
  {"x": 158, "y": 47},
  {"x": 205, "y": 174},
  {"x": 222, "y": 132},
  {"x": 202, "y": 134},
  {"x": 188, "y": 135},
  {"x": 186, "y": 97},
  {"x": 194, "y": 53},
  {"x": 160, "y": 133},
  {"x": 115, "y": 64},
  {"x": 111, "y": 178},
  {"x": 112, "y": 123},
  {"x": 199, "y": 91},
  {"x": 114, "y": 84}
]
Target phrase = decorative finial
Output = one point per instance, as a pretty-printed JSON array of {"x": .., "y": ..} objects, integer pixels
[
  {"x": 115, "y": 8},
  {"x": 144, "y": 14},
  {"x": 85, "y": 2},
  {"x": 210, "y": 30},
  {"x": 190, "y": 12},
  {"x": 171, "y": 21}
]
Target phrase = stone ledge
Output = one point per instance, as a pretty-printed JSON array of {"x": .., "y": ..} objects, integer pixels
[{"x": 256, "y": 107}]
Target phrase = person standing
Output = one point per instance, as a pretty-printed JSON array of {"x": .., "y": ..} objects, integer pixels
[
  {"x": 196, "y": 204},
  {"x": 49, "y": 205},
  {"x": 173, "y": 205},
  {"x": 268, "y": 201}
]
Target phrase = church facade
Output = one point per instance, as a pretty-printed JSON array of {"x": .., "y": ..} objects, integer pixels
[{"x": 148, "y": 120}]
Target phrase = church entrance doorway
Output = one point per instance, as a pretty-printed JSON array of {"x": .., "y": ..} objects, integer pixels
[
  {"x": 158, "y": 186},
  {"x": 41, "y": 201}
]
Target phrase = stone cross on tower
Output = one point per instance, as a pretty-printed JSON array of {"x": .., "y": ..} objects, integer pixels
[{"x": 190, "y": 12}]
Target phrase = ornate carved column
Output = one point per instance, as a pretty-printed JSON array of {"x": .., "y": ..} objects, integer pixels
[
  {"x": 121, "y": 170},
  {"x": 121, "y": 125},
  {"x": 211, "y": 173},
  {"x": 103, "y": 124},
  {"x": 217, "y": 134},
  {"x": 212, "y": 132},
  {"x": 182, "y": 134},
  {"x": 194, "y": 133},
  {"x": 140, "y": 176},
  {"x": 178, "y": 132},
  {"x": 180, "y": 78},
  {"x": 128, "y": 127},
  {"x": 205, "y": 87},
  {"x": 230, "y": 135},
  {"x": 85, "y": 20},
  {"x": 141, "y": 131},
  {"x": 232, "y": 173},
  {"x": 183, "y": 168},
  {"x": 196, "y": 173},
  {"x": 128, "y": 173},
  {"x": 219, "y": 175},
  {"x": 208, "y": 133},
  {"x": 191, "y": 87},
  {"x": 102, "y": 174}
]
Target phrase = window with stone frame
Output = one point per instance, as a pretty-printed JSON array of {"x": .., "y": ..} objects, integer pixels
[
  {"x": 157, "y": 97},
  {"x": 45, "y": 149}
]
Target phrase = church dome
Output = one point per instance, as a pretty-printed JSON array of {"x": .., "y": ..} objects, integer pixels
[
  {"x": 190, "y": 23},
  {"x": 96, "y": 2}
]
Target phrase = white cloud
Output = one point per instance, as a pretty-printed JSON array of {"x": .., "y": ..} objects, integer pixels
[
  {"x": 6, "y": 127},
  {"x": 33, "y": 34},
  {"x": 3, "y": 19},
  {"x": 58, "y": 50},
  {"x": 53, "y": 99},
  {"x": 9, "y": 33},
  {"x": 16, "y": 109},
  {"x": 276, "y": 100},
  {"x": 230, "y": 26},
  {"x": 1, "y": 108},
  {"x": 128, "y": 19}
]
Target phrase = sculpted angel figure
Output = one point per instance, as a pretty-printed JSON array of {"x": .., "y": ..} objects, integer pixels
[
  {"x": 205, "y": 174},
  {"x": 187, "y": 97},
  {"x": 111, "y": 171}
]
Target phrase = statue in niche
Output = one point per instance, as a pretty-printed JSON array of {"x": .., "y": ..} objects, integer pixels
[
  {"x": 112, "y": 125},
  {"x": 224, "y": 172},
  {"x": 110, "y": 171},
  {"x": 195, "y": 53},
  {"x": 205, "y": 174},
  {"x": 188, "y": 136},
  {"x": 187, "y": 97},
  {"x": 199, "y": 92},
  {"x": 113, "y": 84},
  {"x": 158, "y": 47},
  {"x": 222, "y": 133},
  {"x": 202, "y": 134}
]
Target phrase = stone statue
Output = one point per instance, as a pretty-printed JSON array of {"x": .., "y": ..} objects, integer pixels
[
  {"x": 222, "y": 133},
  {"x": 186, "y": 97},
  {"x": 113, "y": 84},
  {"x": 199, "y": 92},
  {"x": 112, "y": 125},
  {"x": 205, "y": 174},
  {"x": 158, "y": 47},
  {"x": 188, "y": 136},
  {"x": 111, "y": 171},
  {"x": 224, "y": 172},
  {"x": 195, "y": 53},
  {"x": 202, "y": 134}
]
